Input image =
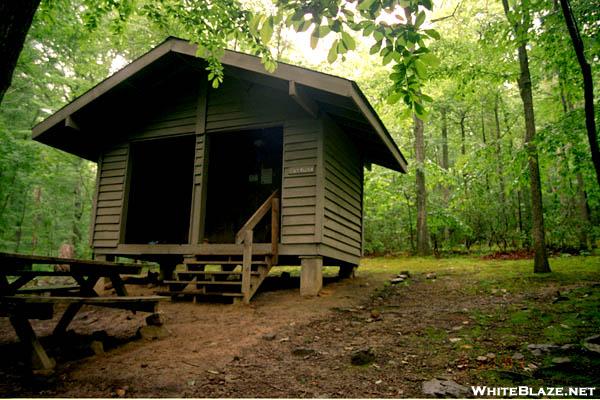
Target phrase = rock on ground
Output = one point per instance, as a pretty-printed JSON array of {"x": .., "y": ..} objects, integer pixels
[
  {"x": 362, "y": 356},
  {"x": 444, "y": 388},
  {"x": 153, "y": 332}
]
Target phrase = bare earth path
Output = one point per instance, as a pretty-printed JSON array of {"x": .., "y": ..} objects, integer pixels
[{"x": 282, "y": 345}]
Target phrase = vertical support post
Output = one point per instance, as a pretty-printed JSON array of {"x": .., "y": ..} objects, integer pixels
[
  {"x": 311, "y": 275},
  {"x": 198, "y": 211},
  {"x": 167, "y": 267},
  {"x": 275, "y": 230},
  {"x": 347, "y": 270},
  {"x": 247, "y": 264}
]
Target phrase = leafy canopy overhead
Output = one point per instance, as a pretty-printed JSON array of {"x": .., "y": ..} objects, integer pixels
[
  {"x": 397, "y": 27},
  {"x": 212, "y": 25}
]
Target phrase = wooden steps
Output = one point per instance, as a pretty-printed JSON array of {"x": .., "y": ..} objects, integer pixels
[
  {"x": 177, "y": 293},
  {"x": 227, "y": 282},
  {"x": 197, "y": 282},
  {"x": 187, "y": 273},
  {"x": 226, "y": 262}
]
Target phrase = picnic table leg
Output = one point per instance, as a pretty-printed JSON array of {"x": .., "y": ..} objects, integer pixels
[
  {"x": 21, "y": 281},
  {"x": 39, "y": 358},
  {"x": 87, "y": 289},
  {"x": 67, "y": 317},
  {"x": 3, "y": 282},
  {"x": 118, "y": 285},
  {"x": 87, "y": 285}
]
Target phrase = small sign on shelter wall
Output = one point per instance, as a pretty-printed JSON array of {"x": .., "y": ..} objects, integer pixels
[{"x": 301, "y": 170}]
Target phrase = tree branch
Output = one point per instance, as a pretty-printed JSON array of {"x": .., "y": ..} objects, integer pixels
[{"x": 447, "y": 16}]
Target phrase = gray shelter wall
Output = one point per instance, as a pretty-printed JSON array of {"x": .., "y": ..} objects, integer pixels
[
  {"x": 108, "y": 204},
  {"x": 343, "y": 191},
  {"x": 300, "y": 187}
]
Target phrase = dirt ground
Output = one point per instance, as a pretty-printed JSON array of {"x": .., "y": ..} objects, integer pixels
[{"x": 281, "y": 345}]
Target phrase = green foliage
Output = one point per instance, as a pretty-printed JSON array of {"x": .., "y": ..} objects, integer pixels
[
  {"x": 481, "y": 202},
  {"x": 401, "y": 42}
]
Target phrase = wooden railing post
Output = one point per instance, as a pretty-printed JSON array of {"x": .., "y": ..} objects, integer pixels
[
  {"x": 247, "y": 264},
  {"x": 274, "y": 229},
  {"x": 256, "y": 217}
]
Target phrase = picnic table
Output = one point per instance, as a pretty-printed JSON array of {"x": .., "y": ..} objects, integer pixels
[{"x": 20, "y": 304}]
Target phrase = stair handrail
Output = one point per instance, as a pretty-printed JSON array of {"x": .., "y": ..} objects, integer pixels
[
  {"x": 245, "y": 236},
  {"x": 258, "y": 215}
]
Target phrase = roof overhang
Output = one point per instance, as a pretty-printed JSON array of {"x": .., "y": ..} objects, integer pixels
[{"x": 57, "y": 129}]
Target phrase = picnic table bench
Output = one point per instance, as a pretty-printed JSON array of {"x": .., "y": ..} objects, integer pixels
[{"x": 20, "y": 304}]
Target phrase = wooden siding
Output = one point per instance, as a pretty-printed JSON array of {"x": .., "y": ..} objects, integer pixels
[
  {"x": 240, "y": 104},
  {"x": 112, "y": 172},
  {"x": 177, "y": 117},
  {"x": 343, "y": 191},
  {"x": 300, "y": 203}
]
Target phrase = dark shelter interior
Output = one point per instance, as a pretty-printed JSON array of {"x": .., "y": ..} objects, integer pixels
[
  {"x": 160, "y": 194},
  {"x": 244, "y": 170}
]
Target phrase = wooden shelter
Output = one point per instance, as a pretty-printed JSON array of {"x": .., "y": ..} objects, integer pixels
[{"x": 186, "y": 172}]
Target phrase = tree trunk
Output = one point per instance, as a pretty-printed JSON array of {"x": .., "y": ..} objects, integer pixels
[
  {"x": 584, "y": 213},
  {"x": 19, "y": 230},
  {"x": 445, "y": 164},
  {"x": 410, "y": 227},
  {"x": 462, "y": 134},
  {"x": 37, "y": 217},
  {"x": 588, "y": 85},
  {"x": 541, "y": 264},
  {"x": 15, "y": 19},
  {"x": 581, "y": 195},
  {"x": 500, "y": 165},
  {"x": 537, "y": 211},
  {"x": 423, "y": 248}
]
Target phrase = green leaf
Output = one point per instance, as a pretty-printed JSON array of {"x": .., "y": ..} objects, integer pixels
[
  {"x": 420, "y": 19},
  {"x": 270, "y": 66},
  {"x": 254, "y": 23},
  {"x": 388, "y": 56},
  {"x": 428, "y": 4},
  {"x": 333, "y": 54},
  {"x": 375, "y": 48},
  {"x": 432, "y": 33},
  {"x": 303, "y": 27},
  {"x": 314, "y": 41},
  {"x": 419, "y": 111},
  {"x": 267, "y": 30},
  {"x": 348, "y": 41},
  {"x": 322, "y": 31},
  {"x": 365, "y": 5},
  {"x": 430, "y": 59},
  {"x": 420, "y": 69},
  {"x": 336, "y": 26},
  {"x": 369, "y": 29},
  {"x": 394, "y": 97}
]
